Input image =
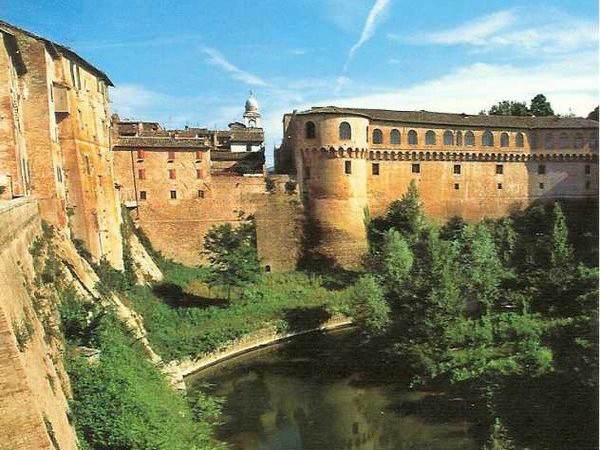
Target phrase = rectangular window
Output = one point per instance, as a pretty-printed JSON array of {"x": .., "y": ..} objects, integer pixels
[
  {"x": 499, "y": 169},
  {"x": 307, "y": 172},
  {"x": 142, "y": 174},
  {"x": 456, "y": 169},
  {"x": 588, "y": 169},
  {"x": 375, "y": 169},
  {"x": 141, "y": 154},
  {"x": 172, "y": 174},
  {"x": 456, "y": 186},
  {"x": 499, "y": 185},
  {"x": 173, "y": 195},
  {"x": 59, "y": 174},
  {"x": 416, "y": 168},
  {"x": 198, "y": 155},
  {"x": 198, "y": 173},
  {"x": 348, "y": 167},
  {"x": 171, "y": 156},
  {"x": 86, "y": 160},
  {"x": 541, "y": 185},
  {"x": 588, "y": 185},
  {"x": 142, "y": 195},
  {"x": 200, "y": 193},
  {"x": 541, "y": 169}
]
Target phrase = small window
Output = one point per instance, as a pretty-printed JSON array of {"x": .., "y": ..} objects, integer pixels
[
  {"x": 413, "y": 139},
  {"x": 171, "y": 156},
  {"x": 519, "y": 140},
  {"x": 172, "y": 174},
  {"x": 198, "y": 173},
  {"x": 86, "y": 160},
  {"x": 348, "y": 167},
  {"x": 142, "y": 174},
  {"x": 307, "y": 172},
  {"x": 394, "y": 137},
  {"x": 456, "y": 169},
  {"x": 141, "y": 154},
  {"x": 448, "y": 138},
  {"x": 199, "y": 155},
  {"x": 173, "y": 195},
  {"x": 200, "y": 193},
  {"x": 459, "y": 138},
  {"x": 248, "y": 147},
  {"x": 541, "y": 169},
  {"x": 487, "y": 139},
  {"x": 588, "y": 169},
  {"x": 377, "y": 136},
  {"x": 499, "y": 169},
  {"x": 430, "y": 138},
  {"x": 310, "y": 130},
  {"x": 504, "y": 141},
  {"x": 563, "y": 140},
  {"x": 541, "y": 185},
  {"x": 588, "y": 185},
  {"x": 456, "y": 186},
  {"x": 267, "y": 268},
  {"x": 345, "y": 131},
  {"x": 59, "y": 175},
  {"x": 578, "y": 141},
  {"x": 499, "y": 186},
  {"x": 416, "y": 168},
  {"x": 469, "y": 138},
  {"x": 549, "y": 141},
  {"x": 375, "y": 168},
  {"x": 143, "y": 195}
]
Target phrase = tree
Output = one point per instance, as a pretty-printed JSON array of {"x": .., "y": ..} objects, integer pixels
[
  {"x": 509, "y": 108},
  {"x": 561, "y": 252},
  {"x": 232, "y": 256},
  {"x": 540, "y": 107},
  {"x": 368, "y": 306},
  {"x": 393, "y": 261},
  {"x": 593, "y": 115},
  {"x": 406, "y": 214}
]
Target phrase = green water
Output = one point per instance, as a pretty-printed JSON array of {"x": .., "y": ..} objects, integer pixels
[{"x": 318, "y": 392}]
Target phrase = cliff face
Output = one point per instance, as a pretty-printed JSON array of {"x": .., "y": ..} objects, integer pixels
[{"x": 36, "y": 262}]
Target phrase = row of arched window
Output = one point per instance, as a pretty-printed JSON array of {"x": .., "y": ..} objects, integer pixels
[
  {"x": 565, "y": 140},
  {"x": 448, "y": 138}
]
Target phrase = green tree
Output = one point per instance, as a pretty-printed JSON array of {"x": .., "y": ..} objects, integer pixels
[
  {"x": 593, "y": 115},
  {"x": 406, "y": 214},
  {"x": 368, "y": 306},
  {"x": 509, "y": 108},
  {"x": 232, "y": 256},
  {"x": 540, "y": 106},
  {"x": 392, "y": 261},
  {"x": 561, "y": 252}
]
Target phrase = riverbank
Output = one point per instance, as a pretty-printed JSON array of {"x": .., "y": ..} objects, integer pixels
[{"x": 176, "y": 371}]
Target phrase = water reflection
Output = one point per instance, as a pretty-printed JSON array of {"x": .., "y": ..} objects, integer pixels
[{"x": 319, "y": 393}]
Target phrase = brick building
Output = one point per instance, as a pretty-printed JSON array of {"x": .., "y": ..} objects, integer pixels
[
  {"x": 55, "y": 140},
  {"x": 179, "y": 183},
  {"x": 350, "y": 160}
]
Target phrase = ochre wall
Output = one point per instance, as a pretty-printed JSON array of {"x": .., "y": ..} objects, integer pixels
[{"x": 33, "y": 382}]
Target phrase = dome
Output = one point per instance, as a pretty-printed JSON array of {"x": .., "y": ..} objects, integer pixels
[{"x": 251, "y": 104}]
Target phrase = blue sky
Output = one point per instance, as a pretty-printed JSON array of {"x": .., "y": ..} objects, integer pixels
[{"x": 194, "y": 62}]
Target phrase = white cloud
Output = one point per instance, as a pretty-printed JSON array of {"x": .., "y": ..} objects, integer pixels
[
  {"x": 217, "y": 59},
  {"x": 374, "y": 15},
  {"x": 519, "y": 29}
]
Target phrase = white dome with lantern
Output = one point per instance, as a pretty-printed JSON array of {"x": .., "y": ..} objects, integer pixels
[{"x": 252, "y": 115}]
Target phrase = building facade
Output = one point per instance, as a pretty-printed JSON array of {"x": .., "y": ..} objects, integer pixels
[
  {"x": 350, "y": 161},
  {"x": 180, "y": 183},
  {"x": 55, "y": 140}
]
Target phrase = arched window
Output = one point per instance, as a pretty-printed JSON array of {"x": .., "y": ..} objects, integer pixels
[
  {"x": 593, "y": 141},
  {"x": 519, "y": 141},
  {"x": 345, "y": 131},
  {"x": 448, "y": 138},
  {"x": 430, "y": 138},
  {"x": 563, "y": 140},
  {"x": 487, "y": 139},
  {"x": 310, "y": 131},
  {"x": 377, "y": 136},
  {"x": 549, "y": 141},
  {"x": 394, "y": 137},
  {"x": 578, "y": 141},
  {"x": 459, "y": 138},
  {"x": 412, "y": 137},
  {"x": 469, "y": 138},
  {"x": 504, "y": 140}
]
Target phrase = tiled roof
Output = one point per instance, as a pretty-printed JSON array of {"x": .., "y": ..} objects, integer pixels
[
  {"x": 466, "y": 120},
  {"x": 159, "y": 142}
]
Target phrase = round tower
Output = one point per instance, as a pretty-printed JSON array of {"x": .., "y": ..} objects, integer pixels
[
  {"x": 330, "y": 159},
  {"x": 252, "y": 117}
]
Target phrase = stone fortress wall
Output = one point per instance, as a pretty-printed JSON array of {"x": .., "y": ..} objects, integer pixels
[{"x": 468, "y": 166}]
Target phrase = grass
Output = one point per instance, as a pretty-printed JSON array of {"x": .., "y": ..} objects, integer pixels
[{"x": 185, "y": 318}]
